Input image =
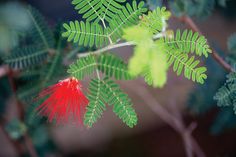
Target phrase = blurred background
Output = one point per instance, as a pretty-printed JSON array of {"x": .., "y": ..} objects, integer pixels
[{"x": 211, "y": 130}]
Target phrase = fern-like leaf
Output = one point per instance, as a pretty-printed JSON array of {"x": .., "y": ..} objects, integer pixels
[
  {"x": 226, "y": 95},
  {"x": 126, "y": 17},
  {"x": 96, "y": 105},
  {"x": 82, "y": 67},
  {"x": 155, "y": 21},
  {"x": 223, "y": 96},
  {"x": 86, "y": 34},
  {"x": 41, "y": 32},
  {"x": 122, "y": 104},
  {"x": 26, "y": 57},
  {"x": 189, "y": 42},
  {"x": 181, "y": 62},
  {"x": 113, "y": 66},
  {"x": 97, "y": 10}
]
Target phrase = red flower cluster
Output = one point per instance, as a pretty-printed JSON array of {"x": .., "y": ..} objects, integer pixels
[{"x": 66, "y": 102}]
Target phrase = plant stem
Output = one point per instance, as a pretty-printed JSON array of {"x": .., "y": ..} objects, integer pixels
[
  {"x": 115, "y": 46},
  {"x": 214, "y": 54},
  {"x": 190, "y": 144},
  {"x": 109, "y": 47}
]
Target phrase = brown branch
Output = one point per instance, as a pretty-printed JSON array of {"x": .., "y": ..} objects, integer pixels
[
  {"x": 187, "y": 20},
  {"x": 190, "y": 144}
]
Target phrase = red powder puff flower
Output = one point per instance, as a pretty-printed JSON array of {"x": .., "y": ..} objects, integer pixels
[{"x": 65, "y": 102}]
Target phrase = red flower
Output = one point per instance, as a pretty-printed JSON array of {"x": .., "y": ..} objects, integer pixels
[{"x": 65, "y": 102}]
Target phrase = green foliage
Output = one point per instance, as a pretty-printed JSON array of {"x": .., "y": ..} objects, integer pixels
[
  {"x": 226, "y": 94},
  {"x": 36, "y": 52},
  {"x": 107, "y": 91},
  {"x": 110, "y": 65},
  {"x": 126, "y": 17},
  {"x": 96, "y": 105},
  {"x": 155, "y": 21},
  {"x": 108, "y": 22},
  {"x": 86, "y": 34},
  {"x": 150, "y": 59},
  {"x": 98, "y": 10},
  {"x": 122, "y": 106},
  {"x": 26, "y": 57},
  {"x": 40, "y": 32},
  {"x": 82, "y": 67},
  {"x": 113, "y": 66},
  {"x": 181, "y": 62},
  {"x": 92, "y": 33},
  {"x": 187, "y": 42},
  {"x": 201, "y": 101}
]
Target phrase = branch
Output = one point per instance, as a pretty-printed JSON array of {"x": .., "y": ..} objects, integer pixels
[
  {"x": 110, "y": 47},
  {"x": 190, "y": 144},
  {"x": 187, "y": 20},
  {"x": 114, "y": 46}
]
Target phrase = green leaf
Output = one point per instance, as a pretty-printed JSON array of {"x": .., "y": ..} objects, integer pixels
[
  {"x": 86, "y": 34},
  {"x": 126, "y": 17},
  {"x": 113, "y": 66},
  {"x": 96, "y": 105},
  {"x": 187, "y": 41},
  {"x": 26, "y": 57},
  {"x": 226, "y": 95},
  {"x": 155, "y": 21},
  {"x": 41, "y": 32},
  {"x": 122, "y": 106},
  {"x": 181, "y": 62},
  {"x": 96, "y": 10},
  {"x": 82, "y": 67}
]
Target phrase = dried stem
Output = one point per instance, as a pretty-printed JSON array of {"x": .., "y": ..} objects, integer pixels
[{"x": 214, "y": 53}]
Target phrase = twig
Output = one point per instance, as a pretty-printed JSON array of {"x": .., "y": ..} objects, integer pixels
[
  {"x": 110, "y": 47},
  {"x": 191, "y": 146},
  {"x": 119, "y": 45},
  {"x": 214, "y": 53}
]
